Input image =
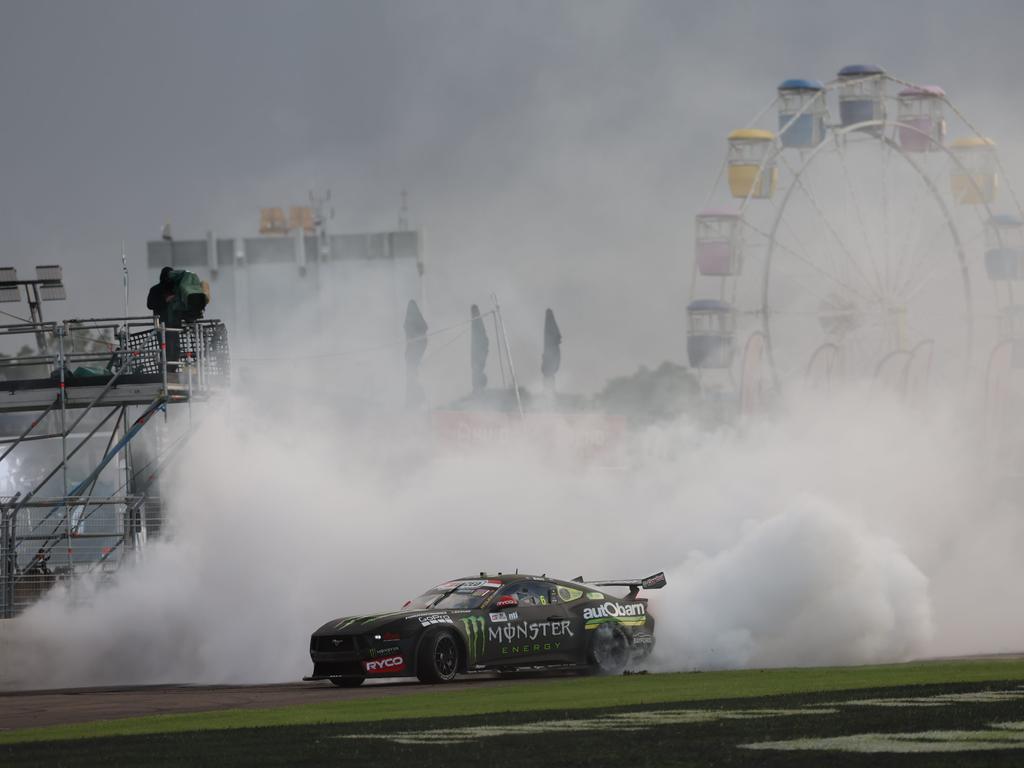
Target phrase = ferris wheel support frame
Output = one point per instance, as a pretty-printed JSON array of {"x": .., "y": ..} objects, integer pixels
[
  {"x": 825, "y": 349},
  {"x": 909, "y": 357},
  {"x": 751, "y": 394}
]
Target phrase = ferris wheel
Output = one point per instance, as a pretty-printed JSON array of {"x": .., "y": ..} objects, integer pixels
[{"x": 870, "y": 231}]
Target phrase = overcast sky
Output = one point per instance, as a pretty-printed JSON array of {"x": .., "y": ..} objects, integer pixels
[{"x": 554, "y": 152}]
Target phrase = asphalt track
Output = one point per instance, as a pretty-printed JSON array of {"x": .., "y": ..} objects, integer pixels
[{"x": 27, "y": 709}]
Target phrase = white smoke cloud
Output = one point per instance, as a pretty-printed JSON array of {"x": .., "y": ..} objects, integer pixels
[
  {"x": 826, "y": 534},
  {"x": 807, "y": 586}
]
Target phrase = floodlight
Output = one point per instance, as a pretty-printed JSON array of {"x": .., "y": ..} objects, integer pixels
[
  {"x": 9, "y": 293},
  {"x": 52, "y": 291},
  {"x": 49, "y": 273}
]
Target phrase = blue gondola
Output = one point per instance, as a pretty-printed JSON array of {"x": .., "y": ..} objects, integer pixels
[
  {"x": 805, "y": 98},
  {"x": 861, "y": 95},
  {"x": 709, "y": 340},
  {"x": 1004, "y": 247}
]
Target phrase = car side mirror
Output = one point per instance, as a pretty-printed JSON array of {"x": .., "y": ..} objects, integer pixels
[{"x": 507, "y": 601}]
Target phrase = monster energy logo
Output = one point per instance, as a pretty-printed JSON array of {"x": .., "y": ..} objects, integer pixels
[{"x": 475, "y": 636}]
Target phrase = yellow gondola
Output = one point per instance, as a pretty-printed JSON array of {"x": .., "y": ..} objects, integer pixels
[
  {"x": 975, "y": 179},
  {"x": 752, "y": 172}
]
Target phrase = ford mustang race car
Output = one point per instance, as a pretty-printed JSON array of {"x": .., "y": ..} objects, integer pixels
[{"x": 500, "y": 622}]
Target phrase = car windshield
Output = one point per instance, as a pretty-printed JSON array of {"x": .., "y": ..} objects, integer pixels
[{"x": 465, "y": 594}]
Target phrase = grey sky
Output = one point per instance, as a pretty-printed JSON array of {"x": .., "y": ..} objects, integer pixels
[{"x": 554, "y": 151}]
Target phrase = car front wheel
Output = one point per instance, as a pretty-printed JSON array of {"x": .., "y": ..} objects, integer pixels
[{"x": 438, "y": 658}]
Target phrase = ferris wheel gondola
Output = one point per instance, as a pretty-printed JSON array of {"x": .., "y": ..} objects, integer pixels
[{"x": 856, "y": 240}]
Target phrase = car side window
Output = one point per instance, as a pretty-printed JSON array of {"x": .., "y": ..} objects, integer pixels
[{"x": 533, "y": 592}]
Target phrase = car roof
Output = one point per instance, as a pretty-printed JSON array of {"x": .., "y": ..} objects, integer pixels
[{"x": 509, "y": 578}]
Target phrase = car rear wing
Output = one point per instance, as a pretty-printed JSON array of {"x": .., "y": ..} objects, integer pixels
[{"x": 655, "y": 581}]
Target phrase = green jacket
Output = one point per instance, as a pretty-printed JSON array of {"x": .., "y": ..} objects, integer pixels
[{"x": 183, "y": 308}]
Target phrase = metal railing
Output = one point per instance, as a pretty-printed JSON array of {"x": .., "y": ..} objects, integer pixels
[{"x": 136, "y": 346}]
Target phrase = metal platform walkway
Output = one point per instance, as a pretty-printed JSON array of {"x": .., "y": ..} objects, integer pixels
[{"x": 124, "y": 392}]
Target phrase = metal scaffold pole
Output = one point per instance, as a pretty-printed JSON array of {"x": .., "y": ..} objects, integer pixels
[
  {"x": 501, "y": 355},
  {"x": 8, "y": 547},
  {"x": 64, "y": 440},
  {"x": 508, "y": 355}
]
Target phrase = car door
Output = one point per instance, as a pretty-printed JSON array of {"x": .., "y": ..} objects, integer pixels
[
  {"x": 571, "y": 601},
  {"x": 536, "y": 631}
]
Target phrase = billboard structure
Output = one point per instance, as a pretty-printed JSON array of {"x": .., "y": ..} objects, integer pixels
[{"x": 317, "y": 295}]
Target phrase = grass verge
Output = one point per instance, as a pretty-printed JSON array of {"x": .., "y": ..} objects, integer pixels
[{"x": 561, "y": 694}]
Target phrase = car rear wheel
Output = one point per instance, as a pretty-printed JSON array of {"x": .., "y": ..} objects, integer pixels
[
  {"x": 438, "y": 658},
  {"x": 348, "y": 682},
  {"x": 609, "y": 649}
]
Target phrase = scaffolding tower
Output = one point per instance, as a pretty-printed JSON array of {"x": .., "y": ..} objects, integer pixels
[{"x": 93, "y": 384}]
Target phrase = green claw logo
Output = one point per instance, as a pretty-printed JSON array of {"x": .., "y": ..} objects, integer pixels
[{"x": 475, "y": 635}]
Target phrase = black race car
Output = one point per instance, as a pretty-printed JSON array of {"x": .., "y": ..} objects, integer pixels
[{"x": 503, "y": 622}]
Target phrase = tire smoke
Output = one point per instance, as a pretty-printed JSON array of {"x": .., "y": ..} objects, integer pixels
[{"x": 842, "y": 531}]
